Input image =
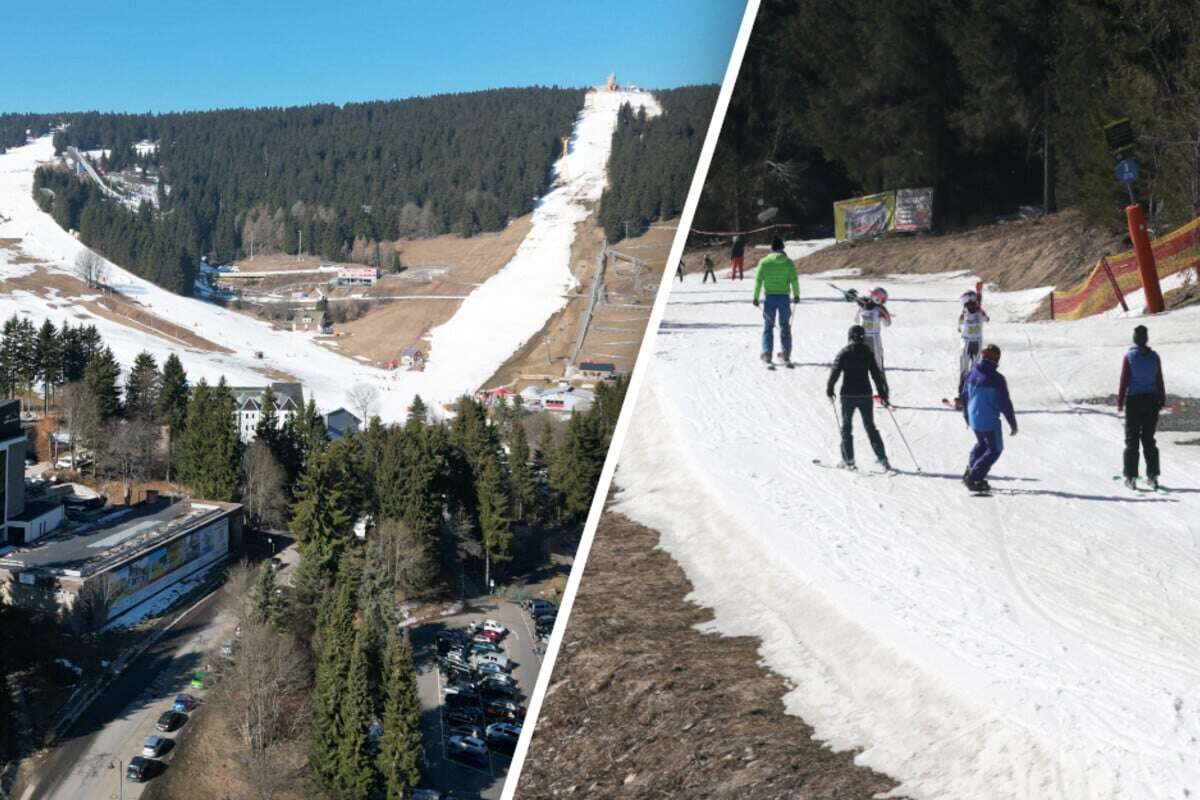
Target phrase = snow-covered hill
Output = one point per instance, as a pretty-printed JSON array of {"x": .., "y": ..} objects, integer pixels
[
  {"x": 491, "y": 324},
  {"x": 1042, "y": 643}
]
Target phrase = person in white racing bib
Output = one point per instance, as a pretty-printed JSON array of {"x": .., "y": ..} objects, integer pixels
[
  {"x": 873, "y": 316},
  {"x": 970, "y": 328}
]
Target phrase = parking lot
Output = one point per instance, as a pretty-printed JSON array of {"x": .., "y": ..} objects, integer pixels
[{"x": 520, "y": 645}]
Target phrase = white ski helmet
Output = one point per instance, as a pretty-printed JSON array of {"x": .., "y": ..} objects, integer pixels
[
  {"x": 879, "y": 295},
  {"x": 969, "y": 297}
]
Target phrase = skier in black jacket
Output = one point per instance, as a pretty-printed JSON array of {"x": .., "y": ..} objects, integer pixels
[{"x": 855, "y": 364}]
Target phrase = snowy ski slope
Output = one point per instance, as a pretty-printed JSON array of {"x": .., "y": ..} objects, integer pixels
[
  {"x": 492, "y": 323},
  {"x": 1042, "y": 643}
]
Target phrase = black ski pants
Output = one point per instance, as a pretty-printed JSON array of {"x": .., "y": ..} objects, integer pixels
[
  {"x": 866, "y": 408},
  {"x": 1141, "y": 422}
]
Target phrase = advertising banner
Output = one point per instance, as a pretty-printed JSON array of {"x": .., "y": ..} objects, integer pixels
[
  {"x": 900, "y": 210},
  {"x": 864, "y": 216},
  {"x": 914, "y": 210},
  {"x": 145, "y": 577}
]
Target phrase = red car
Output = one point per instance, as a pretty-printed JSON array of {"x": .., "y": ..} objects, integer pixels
[{"x": 491, "y": 636}]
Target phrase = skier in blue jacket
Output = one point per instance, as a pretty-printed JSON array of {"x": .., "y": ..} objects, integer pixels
[
  {"x": 1141, "y": 395},
  {"x": 984, "y": 400}
]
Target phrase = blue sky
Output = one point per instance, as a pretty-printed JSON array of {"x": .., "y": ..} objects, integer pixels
[{"x": 165, "y": 56}]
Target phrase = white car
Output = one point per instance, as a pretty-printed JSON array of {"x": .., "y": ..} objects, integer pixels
[
  {"x": 504, "y": 728},
  {"x": 493, "y": 658},
  {"x": 154, "y": 746},
  {"x": 495, "y": 627}
]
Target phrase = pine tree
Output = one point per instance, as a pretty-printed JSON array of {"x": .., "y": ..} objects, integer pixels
[
  {"x": 400, "y": 746},
  {"x": 209, "y": 449},
  {"x": 267, "y": 429},
  {"x": 356, "y": 775},
  {"x": 333, "y": 645},
  {"x": 49, "y": 362},
  {"x": 172, "y": 403},
  {"x": 101, "y": 376},
  {"x": 576, "y": 467},
  {"x": 493, "y": 506},
  {"x": 311, "y": 434},
  {"x": 266, "y": 601},
  {"x": 142, "y": 388},
  {"x": 322, "y": 516},
  {"x": 522, "y": 480}
]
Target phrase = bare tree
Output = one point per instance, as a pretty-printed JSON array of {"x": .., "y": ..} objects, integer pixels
[
  {"x": 95, "y": 601},
  {"x": 409, "y": 562},
  {"x": 91, "y": 269},
  {"x": 263, "y": 490},
  {"x": 263, "y": 688},
  {"x": 364, "y": 398},
  {"x": 78, "y": 404},
  {"x": 131, "y": 450}
]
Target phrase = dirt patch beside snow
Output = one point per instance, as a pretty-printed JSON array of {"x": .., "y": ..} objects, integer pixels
[
  {"x": 1057, "y": 250},
  {"x": 643, "y": 705}
]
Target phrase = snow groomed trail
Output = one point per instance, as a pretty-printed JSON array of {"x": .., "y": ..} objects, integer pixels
[
  {"x": 492, "y": 323},
  {"x": 1040, "y": 643}
]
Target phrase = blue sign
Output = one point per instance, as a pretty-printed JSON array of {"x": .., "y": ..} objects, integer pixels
[{"x": 1127, "y": 171}]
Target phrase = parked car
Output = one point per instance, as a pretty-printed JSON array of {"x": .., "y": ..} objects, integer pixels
[
  {"x": 198, "y": 679},
  {"x": 508, "y": 728},
  {"x": 502, "y": 743},
  {"x": 465, "y": 729},
  {"x": 155, "y": 746},
  {"x": 463, "y": 715},
  {"x": 469, "y": 749},
  {"x": 458, "y": 674},
  {"x": 426, "y": 794},
  {"x": 138, "y": 769},
  {"x": 484, "y": 646},
  {"x": 504, "y": 709},
  {"x": 460, "y": 696},
  {"x": 497, "y": 678},
  {"x": 494, "y": 626},
  {"x": 499, "y": 659},
  {"x": 183, "y": 703},
  {"x": 491, "y": 636},
  {"x": 538, "y": 605},
  {"x": 489, "y": 668},
  {"x": 170, "y": 720}
]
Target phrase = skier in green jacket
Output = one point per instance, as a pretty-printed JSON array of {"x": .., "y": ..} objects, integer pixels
[{"x": 775, "y": 276}]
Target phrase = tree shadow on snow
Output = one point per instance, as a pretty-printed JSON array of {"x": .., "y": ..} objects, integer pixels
[
  {"x": 683, "y": 327},
  {"x": 1100, "y": 497}
]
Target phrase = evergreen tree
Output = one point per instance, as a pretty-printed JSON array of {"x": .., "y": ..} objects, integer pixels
[
  {"x": 356, "y": 774},
  {"x": 522, "y": 480},
  {"x": 101, "y": 376},
  {"x": 334, "y": 646},
  {"x": 493, "y": 506},
  {"x": 577, "y": 463},
  {"x": 48, "y": 357},
  {"x": 266, "y": 601},
  {"x": 310, "y": 433},
  {"x": 400, "y": 746},
  {"x": 323, "y": 515},
  {"x": 267, "y": 430},
  {"x": 143, "y": 387},
  {"x": 172, "y": 403},
  {"x": 209, "y": 449}
]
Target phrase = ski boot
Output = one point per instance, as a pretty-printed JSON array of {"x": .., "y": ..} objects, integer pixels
[
  {"x": 1153, "y": 481},
  {"x": 966, "y": 479},
  {"x": 847, "y": 465},
  {"x": 979, "y": 487},
  {"x": 766, "y": 359},
  {"x": 1131, "y": 483},
  {"x": 786, "y": 358},
  {"x": 883, "y": 462}
]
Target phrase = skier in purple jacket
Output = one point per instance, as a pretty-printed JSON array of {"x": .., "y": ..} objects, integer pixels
[{"x": 984, "y": 400}]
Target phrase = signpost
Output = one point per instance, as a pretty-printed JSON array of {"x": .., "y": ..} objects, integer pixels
[{"x": 1120, "y": 139}]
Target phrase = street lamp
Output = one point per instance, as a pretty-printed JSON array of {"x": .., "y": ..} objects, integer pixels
[{"x": 120, "y": 777}]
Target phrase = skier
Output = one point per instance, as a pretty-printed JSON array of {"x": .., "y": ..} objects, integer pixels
[
  {"x": 1141, "y": 395},
  {"x": 679, "y": 271},
  {"x": 737, "y": 258},
  {"x": 775, "y": 276},
  {"x": 709, "y": 266},
  {"x": 984, "y": 399},
  {"x": 873, "y": 315},
  {"x": 856, "y": 365},
  {"x": 970, "y": 327}
]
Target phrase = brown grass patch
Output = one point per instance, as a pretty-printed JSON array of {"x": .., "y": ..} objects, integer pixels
[{"x": 642, "y": 705}]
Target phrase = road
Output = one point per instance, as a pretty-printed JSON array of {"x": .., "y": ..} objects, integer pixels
[
  {"x": 82, "y": 765},
  {"x": 519, "y": 645}
]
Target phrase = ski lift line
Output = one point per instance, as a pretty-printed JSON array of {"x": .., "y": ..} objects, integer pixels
[{"x": 743, "y": 233}]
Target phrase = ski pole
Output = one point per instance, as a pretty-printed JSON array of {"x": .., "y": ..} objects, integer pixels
[
  {"x": 836, "y": 417},
  {"x": 900, "y": 431}
]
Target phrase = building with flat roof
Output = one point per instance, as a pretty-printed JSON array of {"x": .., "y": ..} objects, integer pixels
[
  {"x": 118, "y": 558},
  {"x": 23, "y": 522}
]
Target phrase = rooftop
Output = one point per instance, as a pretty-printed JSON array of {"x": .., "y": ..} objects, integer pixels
[{"x": 116, "y": 535}]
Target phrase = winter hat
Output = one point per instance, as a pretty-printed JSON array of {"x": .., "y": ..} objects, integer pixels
[
  {"x": 856, "y": 333},
  {"x": 1141, "y": 336},
  {"x": 777, "y": 244}
]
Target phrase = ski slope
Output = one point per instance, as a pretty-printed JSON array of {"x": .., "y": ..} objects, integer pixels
[
  {"x": 1041, "y": 643},
  {"x": 492, "y": 323}
]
